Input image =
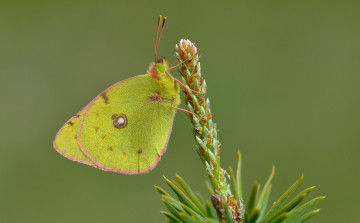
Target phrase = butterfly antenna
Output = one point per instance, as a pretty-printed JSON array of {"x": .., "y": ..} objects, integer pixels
[
  {"x": 157, "y": 36},
  {"x": 162, "y": 28}
]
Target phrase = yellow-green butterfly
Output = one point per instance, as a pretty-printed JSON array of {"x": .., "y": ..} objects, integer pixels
[{"x": 126, "y": 128}]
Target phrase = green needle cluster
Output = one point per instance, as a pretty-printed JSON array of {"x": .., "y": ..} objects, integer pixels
[{"x": 285, "y": 210}]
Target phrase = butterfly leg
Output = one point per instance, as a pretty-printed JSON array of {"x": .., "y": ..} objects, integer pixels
[
  {"x": 184, "y": 110},
  {"x": 182, "y": 84}
]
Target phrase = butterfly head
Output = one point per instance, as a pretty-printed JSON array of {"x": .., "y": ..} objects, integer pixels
[{"x": 158, "y": 69}]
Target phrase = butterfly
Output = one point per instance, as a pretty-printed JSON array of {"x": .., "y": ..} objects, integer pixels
[{"x": 126, "y": 128}]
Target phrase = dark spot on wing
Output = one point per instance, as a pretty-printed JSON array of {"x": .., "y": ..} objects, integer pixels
[
  {"x": 70, "y": 123},
  {"x": 103, "y": 137},
  {"x": 96, "y": 129},
  {"x": 120, "y": 121},
  {"x": 156, "y": 97},
  {"x": 104, "y": 96},
  {"x": 110, "y": 148},
  {"x": 75, "y": 136},
  {"x": 124, "y": 153},
  {"x": 139, "y": 151},
  {"x": 113, "y": 116}
]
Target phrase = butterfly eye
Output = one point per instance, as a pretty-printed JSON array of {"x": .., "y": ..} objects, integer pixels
[
  {"x": 160, "y": 67},
  {"x": 120, "y": 121}
]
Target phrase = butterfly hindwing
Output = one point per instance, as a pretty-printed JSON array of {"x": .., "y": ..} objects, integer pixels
[
  {"x": 124, "y": 129},
  {"x": 66, "y": 142}
]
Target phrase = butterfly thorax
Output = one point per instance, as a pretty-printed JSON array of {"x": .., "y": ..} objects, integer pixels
[{"x": 168, "y": 88}]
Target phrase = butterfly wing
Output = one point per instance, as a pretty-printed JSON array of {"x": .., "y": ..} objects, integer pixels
[
  {"x": 124, "y": 130},
  {"x": 66, "y": 142}
]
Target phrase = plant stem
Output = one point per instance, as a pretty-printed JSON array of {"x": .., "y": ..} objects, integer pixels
[{"x": 205, "y": 133}]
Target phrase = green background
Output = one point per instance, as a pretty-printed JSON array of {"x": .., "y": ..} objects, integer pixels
[{"x": 283, "y": 79}]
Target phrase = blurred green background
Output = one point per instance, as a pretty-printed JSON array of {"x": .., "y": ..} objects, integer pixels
[{"x": 283, "y": 79}]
